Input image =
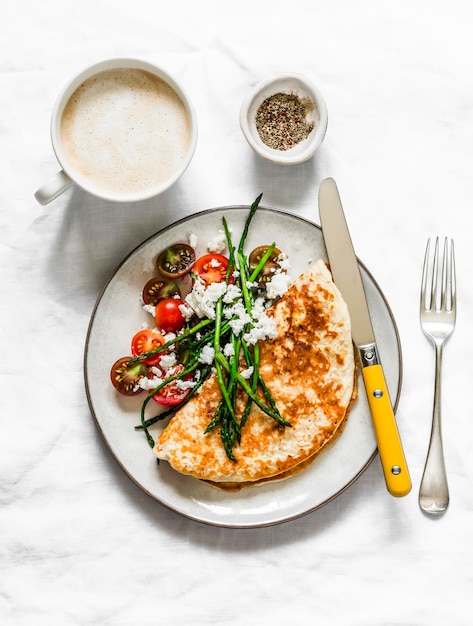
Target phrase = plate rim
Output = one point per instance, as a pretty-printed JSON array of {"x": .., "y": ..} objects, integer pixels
[{"x": 196, "y": 518}]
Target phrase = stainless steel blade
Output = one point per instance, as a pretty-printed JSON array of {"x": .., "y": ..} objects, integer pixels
[{"x": 343, "y": 262}]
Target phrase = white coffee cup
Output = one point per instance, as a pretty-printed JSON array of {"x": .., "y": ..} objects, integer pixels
[{"x": 122, "y": 130}]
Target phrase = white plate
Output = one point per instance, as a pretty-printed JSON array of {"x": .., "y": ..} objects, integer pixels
[{"x": 118, "y": 315}]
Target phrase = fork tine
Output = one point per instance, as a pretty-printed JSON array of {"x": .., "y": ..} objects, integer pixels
[
  {"x": 437, "y": 285},
  {"x": 453, "y": 284},
  {"x": 430, "y": 289},
  {"x": 446, "y": 293},
  {"x": 445, "y": 279},
  {"x": 423, "y": 290}
]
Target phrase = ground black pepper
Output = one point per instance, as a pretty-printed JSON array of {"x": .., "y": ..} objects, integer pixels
[{"x": 281, "y": 120}]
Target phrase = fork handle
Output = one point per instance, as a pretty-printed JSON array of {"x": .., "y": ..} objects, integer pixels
[{"x": 433, "y": 493}]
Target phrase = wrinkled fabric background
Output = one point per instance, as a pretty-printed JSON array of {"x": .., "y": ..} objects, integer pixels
[{"x": 80, "y": 544}]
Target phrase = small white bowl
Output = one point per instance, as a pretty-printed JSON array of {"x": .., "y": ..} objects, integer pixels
[{"x": 290, "y": 84}]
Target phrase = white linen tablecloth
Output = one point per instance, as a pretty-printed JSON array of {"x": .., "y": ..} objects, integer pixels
[{"x": 80, "y": 543}]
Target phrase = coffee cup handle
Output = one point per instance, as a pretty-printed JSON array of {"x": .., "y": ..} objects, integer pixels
[{"x": 53, "y": 188}]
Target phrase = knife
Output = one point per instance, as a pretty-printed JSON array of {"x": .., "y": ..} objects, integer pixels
[{"x": 346, "y": 275}]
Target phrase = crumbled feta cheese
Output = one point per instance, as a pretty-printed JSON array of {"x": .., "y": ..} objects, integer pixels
[
  {"x": 259, "y": 333},
  {"x": 167, "y": 361},
  {"x": 264, "y": 327},
  {"x": 187, "y": 311},
  {"x": 203, "y": 299},
  {"x": 207, "y": 355},
  {"x": 237, "y": 326},
  {"x": 149, "y": 308},
  {"x": 193, "y": 240},
  {"x": 228, "y": 350},
  {"x": 259, "y": 308},
  {"x": 173, "y": 371},
  {"x": 149, "y": 383},
  {"x": 184, "y": 384},
  {"x": 217, "y": 244},
  {"x": 238, "y": 316},
  {"x": 246, "y": 374},
  {"x": 232, "y": 293},
  {"x": 283, "y": 261},
  {"x": 237, "y": 309},
  {"x": 278, "y": 285}
]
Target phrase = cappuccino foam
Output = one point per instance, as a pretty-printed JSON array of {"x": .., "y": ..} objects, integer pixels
[{"x": 125, "y": 131}]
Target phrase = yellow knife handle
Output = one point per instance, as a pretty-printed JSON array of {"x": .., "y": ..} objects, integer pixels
[{"x": 396, "y": 473}]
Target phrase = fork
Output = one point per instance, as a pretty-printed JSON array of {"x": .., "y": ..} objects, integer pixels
[{"x": 437, "y": 317}]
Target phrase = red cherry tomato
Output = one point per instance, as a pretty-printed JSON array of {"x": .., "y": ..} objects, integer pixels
[
  {"x": 146, "y": 341},
  {"x": 125, "y": 377},
  {"x": 171, "y": 394},
  {"x": 168, "y": 315},
  {"x": 211, "y": 268}
]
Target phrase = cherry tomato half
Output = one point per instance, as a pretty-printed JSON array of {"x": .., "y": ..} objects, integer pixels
[
  {"x": 171, "y": 394},
  {"x": 144, "y": 341},
  {"x": 269, "y": 267},
  {"x": 176, "y": 260},
  {"x": 168, "y": 315},
  {"x": 211, "y": 268},
  {"x": 158, "y": 288},
  {"x": 125, "y": 377}
]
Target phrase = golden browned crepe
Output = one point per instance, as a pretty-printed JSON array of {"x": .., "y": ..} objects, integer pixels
[{"x": 310, "y": 370}]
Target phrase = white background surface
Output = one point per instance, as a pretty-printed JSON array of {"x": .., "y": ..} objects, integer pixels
[{"x": 79, "y": 542}]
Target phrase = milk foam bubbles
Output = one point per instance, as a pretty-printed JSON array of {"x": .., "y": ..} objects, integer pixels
[{"x": 125, "y": 131}]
